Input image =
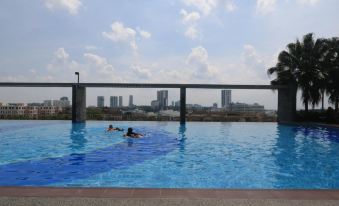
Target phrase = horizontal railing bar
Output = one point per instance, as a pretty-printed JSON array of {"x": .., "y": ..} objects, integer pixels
[
  {"x": 34, "y": 84},
  {"x": 142, "y": 85}
]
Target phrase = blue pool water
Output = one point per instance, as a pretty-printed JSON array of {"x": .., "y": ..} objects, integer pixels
[{"x": 197, "y": 155}]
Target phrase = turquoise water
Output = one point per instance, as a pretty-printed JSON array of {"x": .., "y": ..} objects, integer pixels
[{"x": 197, "y": 155}]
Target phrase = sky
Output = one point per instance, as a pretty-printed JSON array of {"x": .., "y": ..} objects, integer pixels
[{"x": 153, "y": 41}]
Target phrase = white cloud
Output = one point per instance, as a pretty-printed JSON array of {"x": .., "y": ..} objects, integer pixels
[
  {"x": 230, "y": 5},
  {"x": 198, "y": 61},
  {"x": 120, "y": 33},
  {"x": 311, "y": 2},
  {"x": 256, "y": 62},
  {"x": 93, "y": 68},
  {"x": 61, "y": 61},
  {"x": 205, "y": 6},
  {"x": 265, "y": 6},
  {"x": 140, "y": 72},
  {"x": 99, "y": 63},
  {"x": 61, "y": 54},
  {"x": 72, "y": 6},
  {"x": 192, "y": 32},
  {"x": 144, "y": 34},
  {"x": 189, "y": 17}
]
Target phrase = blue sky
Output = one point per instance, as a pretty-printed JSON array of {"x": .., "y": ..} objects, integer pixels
[{"x": 173, "y": 41}]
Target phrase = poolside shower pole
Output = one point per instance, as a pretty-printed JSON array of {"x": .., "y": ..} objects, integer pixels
[{"x": 182, "y": 105}]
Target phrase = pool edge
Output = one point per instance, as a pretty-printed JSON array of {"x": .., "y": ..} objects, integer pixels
[{"x": 62, "y": 192}]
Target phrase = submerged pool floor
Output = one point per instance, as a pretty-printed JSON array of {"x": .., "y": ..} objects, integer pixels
[{"x": 197, "y": 155}]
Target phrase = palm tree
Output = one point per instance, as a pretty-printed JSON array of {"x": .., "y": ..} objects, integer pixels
[
  {"x": 302, "y": 65},
  {"x": 332, "y": 86}
]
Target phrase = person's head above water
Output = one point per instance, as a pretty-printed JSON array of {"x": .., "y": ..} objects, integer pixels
[
  {"x": 110, "y": 126},
  {"x": 130, "y": 130}
]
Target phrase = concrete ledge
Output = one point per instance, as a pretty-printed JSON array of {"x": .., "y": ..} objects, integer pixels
[
  {"x": 167, "y": 193},
  {"x": 160, "y": 202}
]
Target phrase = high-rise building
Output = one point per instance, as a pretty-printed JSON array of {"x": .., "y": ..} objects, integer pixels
[
  {"x": 215, "y": 105},
  {"x": 120, "y": 101},
  {"x": 162, "y": 98},
  {"x": 226, "y": 97},
  {"x": 130, "y": 103},
  {"x": 100, "y": 101},
  {"x": 113, "y": 101}
]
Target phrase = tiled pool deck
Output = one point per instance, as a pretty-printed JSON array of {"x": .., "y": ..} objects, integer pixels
[{"x": 118, "y": 196}]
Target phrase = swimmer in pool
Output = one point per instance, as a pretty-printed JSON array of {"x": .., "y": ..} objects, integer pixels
[
  {"x": 111, "y": 128},
  {"x": 132, "y": 134}
]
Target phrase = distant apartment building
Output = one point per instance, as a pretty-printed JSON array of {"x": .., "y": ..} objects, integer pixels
[
  {"x": 215, "y": 105},
  {"x": 63, "y": 102},
  {"x": 35, "y": 104},
  {"x": 162, "y": 98},
  {"x": 242, "y": 107},
  {"x": 48, "y": 110},
  {"x": 177, "y": 103},
  {"x": 155, "y": 104},
  {"x": 226, "y": 97},
  {"x": 120, "y": 101},
  {"x": 19, "y": 109},
  {"x": 113, "y": 101},
  {"x": 130, "y": 102},
  {"x": 100, "y": 101},
  {"x": 32, "y": 111},
  {"x": 12, "y": 109}
]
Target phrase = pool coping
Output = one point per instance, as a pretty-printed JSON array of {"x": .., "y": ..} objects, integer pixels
[{"x": 63, "y": 192}]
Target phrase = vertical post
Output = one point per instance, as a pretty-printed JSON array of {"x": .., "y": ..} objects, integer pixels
[
  {"x": 287, "y": 101},
  {"x": 182, "y": 105},
  {"x": 78, "y": 103}
]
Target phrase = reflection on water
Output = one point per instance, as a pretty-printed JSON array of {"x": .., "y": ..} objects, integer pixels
[
  {"x": 78, "y": 133},
  {"x": 182, "y": 137},
  {"x": 305, "y": 154},
  {"x": 182, "y": 130},
  {"x": 129, "y": 142}
]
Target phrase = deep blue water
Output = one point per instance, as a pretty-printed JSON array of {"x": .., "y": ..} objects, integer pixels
[{"x": 197, "y": 155}]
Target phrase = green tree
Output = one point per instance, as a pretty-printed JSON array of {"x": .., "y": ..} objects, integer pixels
[
  {"x": 302, "y": 64},
  {"x": 332, "y": 86}
]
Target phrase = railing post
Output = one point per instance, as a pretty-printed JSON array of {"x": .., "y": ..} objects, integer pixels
[
  {"x": 78, "y": 103},
  {"x": 182, "y": 105},
  {"x": 287, "y": 103}
]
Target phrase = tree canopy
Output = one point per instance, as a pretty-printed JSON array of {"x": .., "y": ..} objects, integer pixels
[{"x": 313, "y": 66}]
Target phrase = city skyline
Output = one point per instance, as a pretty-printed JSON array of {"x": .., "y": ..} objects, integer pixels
[
  {"x": 172, "y": 95},
  {"x": 207, "y": 41},
  {"x": 160, "y": 103}
]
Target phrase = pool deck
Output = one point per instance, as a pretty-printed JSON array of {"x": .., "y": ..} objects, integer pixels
[{"x": 120, "y": 196}]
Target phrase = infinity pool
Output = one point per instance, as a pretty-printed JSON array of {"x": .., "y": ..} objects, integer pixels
[{"x": 198, "y": 155}]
